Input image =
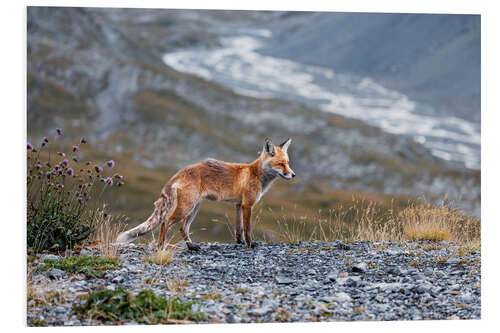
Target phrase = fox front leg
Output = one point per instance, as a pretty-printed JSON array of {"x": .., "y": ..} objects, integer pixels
[
  {"x": 238, "y": 224},
  {"x": 247, "y": 216}
]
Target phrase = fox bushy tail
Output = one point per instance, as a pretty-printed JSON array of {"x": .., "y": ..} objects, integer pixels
[{"x": 164, "y": 207}]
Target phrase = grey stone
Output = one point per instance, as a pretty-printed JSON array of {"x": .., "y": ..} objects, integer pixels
[
  {"x": 338, "y": 297},
  {"x": 452, "y": 261},
  {"x": 118, "y": 279},
  {"x": 55, "y": 273},
  {"x": 393, "y": 251},
  {"x": 49, "y": 257},
  {"x": 281, "y": 279},
  {"x": 360, "y": 267}
]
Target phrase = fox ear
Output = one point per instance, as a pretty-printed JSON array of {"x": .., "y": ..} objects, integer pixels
[
  {"x": 284, "y": 146},
  {"x": 268, "y": 147}
]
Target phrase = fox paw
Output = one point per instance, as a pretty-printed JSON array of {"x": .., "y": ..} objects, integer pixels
[
  {"x": 239, "y": 241},
  {"x": 252, "y": 245},
  {"x": 193, "y": 247}
]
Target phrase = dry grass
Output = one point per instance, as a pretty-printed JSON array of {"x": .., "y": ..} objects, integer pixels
[
  {"x": 427, "y": 222},
  {"x": 163, "y": 257},
  {"x": 369, "y": 221},
  {"x": 107, "y": 229}
]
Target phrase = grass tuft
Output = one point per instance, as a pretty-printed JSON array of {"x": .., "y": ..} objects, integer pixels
[{"x": 163, "y": 257}]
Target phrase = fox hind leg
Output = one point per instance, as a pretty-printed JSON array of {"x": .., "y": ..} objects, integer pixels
[
  {"x": 161, "y": 238},
  {"x": 186, "y": 223}
]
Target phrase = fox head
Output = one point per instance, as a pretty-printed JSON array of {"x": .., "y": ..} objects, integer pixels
[{"x": 275, "y": 159}]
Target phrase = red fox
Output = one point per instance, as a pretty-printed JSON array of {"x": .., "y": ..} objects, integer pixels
[{"x": 238, "y": 183}]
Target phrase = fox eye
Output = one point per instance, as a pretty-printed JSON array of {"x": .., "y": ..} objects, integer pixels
[{"x": 282, "y": 164}]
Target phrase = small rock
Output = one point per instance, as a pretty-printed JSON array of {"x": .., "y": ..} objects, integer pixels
[
  {"x": 118, "y": 279},
  {"x": 352, "y": 281},
  {"x": 49, "y": 257},
  {"x": 360, "y": 267},
  {"x": 281, "y": 279},
  {"x": 110, "y": 287},
  {"x": 60, "y": 309},
  {"x": 331, "y": 277},
  {"x": 55, "y": 273},
  {"x": 84, "y": 252},
  {"x": 339, "y": 297},
  {"x": 233, "y": 319},
  {"x": 343, "y": 275},
  {"x": 393, "y": 251}
]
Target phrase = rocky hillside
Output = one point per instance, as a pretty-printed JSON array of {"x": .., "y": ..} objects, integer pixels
[{"x": 98, "y": 73}]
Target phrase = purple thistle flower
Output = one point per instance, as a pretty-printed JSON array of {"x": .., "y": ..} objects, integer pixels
[
  {"x": 38, "y": 166},
  {"x": 70, "y": 172},
  {"x": 65, "y": 162},
  {"x": 59, "y": 131},
  {"x": 120, "y": 183},
  {"x": 109, "y": 181},
  {"x": 75, "y": 148},
  {"x": 57, "y": 167},
  {"x": 80, "y": 200},
  {"x": 98, "y": 168},
  {"x": 117, "y": 176},
  {"x": 89, "y": 197},
  {"x": 34, "y": 150},
  {"x": 110, "y": 164},
  {"x": 30, "y": 146},
  {"x": 83, "y": 140}
]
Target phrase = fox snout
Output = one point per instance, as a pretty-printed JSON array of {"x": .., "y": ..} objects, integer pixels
[{"x": 288, "y": 175}]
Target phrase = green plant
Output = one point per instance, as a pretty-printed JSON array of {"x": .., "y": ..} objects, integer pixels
[
  {"x": 59, "y": 196},
  {"x": 88, "y": 265},
  {"x": 146, "y": 307},
  {"x": 37, "y": 322},
  {"x": 241, "y": 290}
]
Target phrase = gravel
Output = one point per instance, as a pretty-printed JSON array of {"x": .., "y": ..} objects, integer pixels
[{"x": 305, "y": 281}]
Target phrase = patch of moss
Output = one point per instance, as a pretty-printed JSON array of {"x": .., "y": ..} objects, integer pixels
[
  {"x": 241, "y": 290},
  {"x": 89, "y": 265},
  {"x": 146, "y": 307},
  {"x": 211, "y": 296},
  {"x": 37, "y": 322}
]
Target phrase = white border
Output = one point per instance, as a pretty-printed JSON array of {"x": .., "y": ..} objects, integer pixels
[{"x": 13, "y": 133}]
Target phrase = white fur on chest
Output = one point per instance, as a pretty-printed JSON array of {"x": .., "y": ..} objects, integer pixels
[{"x": 264, "y": 188}]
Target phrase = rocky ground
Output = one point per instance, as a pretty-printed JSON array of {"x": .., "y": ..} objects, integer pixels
[{"x": 313, "y": 281}]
